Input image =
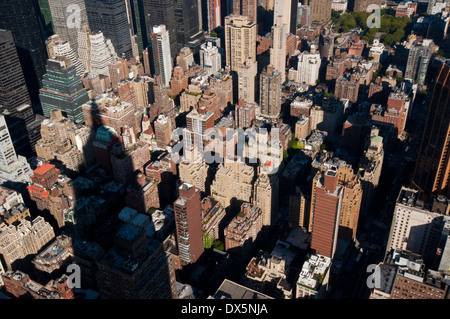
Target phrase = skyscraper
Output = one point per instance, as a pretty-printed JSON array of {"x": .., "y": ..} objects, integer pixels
[
  {"x": 158, "y": 12},
  {"x": 213, "y": 14},
  {"x": 162, "y": 58},
  {"x": 188, "y": 25},
  {"x": 137, "y": 17},
  {"x": 278, "y": 49},
  {"x": 188, "y": 220},
  {"x": 63, "y": 89},
  {"x": 240, "y": 40},
  {"x": 15, "y": 102},
  {"x": 270, "y": 92},
  {"x": 46, "y": 16},
  {"x": 110, "y": 17},
  {"x": 246, "y": 8},
  {"x": 20, "y": 18},
  {"x": 325, "y": 209},
  {"x": 68, "y": 17},
  {"x": 431, "y": 174},
  {"x": 418, "y": 60}
]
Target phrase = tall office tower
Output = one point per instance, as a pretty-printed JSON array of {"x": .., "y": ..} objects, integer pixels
[
  {"x": 248, "y": 8},
  {"x": 418, "y": 60},
  {"x": 320, "y": 10},
  {"x": 101, "y": 54},
  {"x": 58, "y": 47},
  {"x": 431, "y": 174},
  {"x": 266, "y": 197},
  {"x": 188, "y": 221},
  {"x": 137, "y": 21},
  {"x": 240, "y": 40},
  {"x": 14, "y": 94},
  {"x": 63, "y": 89},
  {"x": 308, "y": 68},
  {"x": 415, "y": 227},
  {"x": 20, "y": 18},
  {"x": 110, "y": 17},
  {"x": 188, "y": 25},
  {"x": 278, "y": 48},
  {"x": 136, "y": 267},
  {"x": 247, "y": 81},
  {"x": 270, "y": 92},
  {"x": 12, "y": 167},
  {"x": 210, "y": 58},
  {"x": 68, "y": 17},
  {"x": 370, "y": 169},
  {"x": 326, "y": 201},
  {"x": 161, "y": 12},
  {"x": 162, "y": 58},
  {"x": 46, "y": 17},
  {"x": 214, "y": 14}
]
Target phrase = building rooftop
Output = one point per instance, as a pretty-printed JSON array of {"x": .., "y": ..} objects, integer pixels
[
  {"x": 231, "y": 290},
  {"x": 44, "y": 168}
]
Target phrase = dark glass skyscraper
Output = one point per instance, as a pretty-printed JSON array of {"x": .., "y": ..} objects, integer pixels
[
  {"x": 432, "y": 172},
  {"x": 110, "y": 17},
  {"x": 188, "y": 22},
  {"x": 63, "y": 89},
  {"x": 138, "y": 23},
  {"x": 20, "y": 17}
]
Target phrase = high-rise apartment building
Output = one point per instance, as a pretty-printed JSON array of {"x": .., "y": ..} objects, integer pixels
[
  {"x": 248, "y": 8},
  {"x": 188, "y": 220},
  {"x": 278, "y": 48},
  {"x": 240, "y": 40},
  {"x": 247, "y": 81},
  {"x": 431, "y": 173},
  {"x": 308, "y": 68},
  {"x": 68, "y": 17},
  {"x": 245, "y": 113},
  {"x": 161, "y": 53},
  {"x": 270, "y": 92},
  {"x": 110, "y": 17},
  {"x": 214, "y": 14},
  {"x": 287, "y": 9},
  {"x": 99, "y": 53},
  {"x": 418, "y": 60},
  {"x": 326, "y": 201},
  {"x": 266, "y": 192},
  {"x": 63, "y": 89},
  {"x": 414, "y": 227}
]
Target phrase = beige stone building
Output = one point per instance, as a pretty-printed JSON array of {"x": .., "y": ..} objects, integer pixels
[
  {"x": 266, "y": 197},
  {"x": 233, "y": 181},
  {"x": 240, "y": 40},
  {"x": 16, "y": 242}
]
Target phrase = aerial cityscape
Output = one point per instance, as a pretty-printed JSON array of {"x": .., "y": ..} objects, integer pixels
[{"x": 224, "y": 150}]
